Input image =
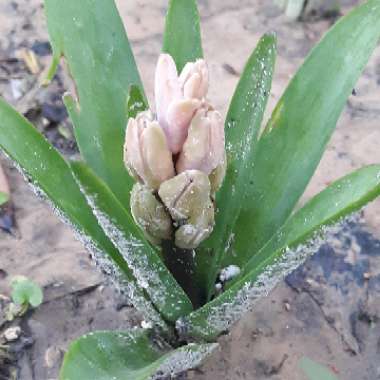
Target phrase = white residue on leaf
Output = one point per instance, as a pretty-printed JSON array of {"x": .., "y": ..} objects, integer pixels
[
  {"x": 146, "y": 273},
  {"x": 222, "y": 316},
  {"x": 229, "y": 242},
  {"x": 183, "y": 359},
  {"x": 112, "y": 273},
  {"x": 119, "y": 280},
  {"x": 228, "y": 273},
  {"x": 146, "y": 325}
]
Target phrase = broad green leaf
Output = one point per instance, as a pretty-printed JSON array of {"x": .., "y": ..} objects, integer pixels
[
  {"x": 25, "y": 291},
  {"x": 135, "y": 102},
  {"x": 315, "y": 371},
  {"x": 242, "y": 127},
  {"x": 182, "y": 37},
  {"x": 49, "y": 173},
  {"x": 4, "y": 198},
  {"x": 148, "y": 268},
  {"x": 283, "y": 253},
  {"x": 301, "y": 125},
  {"x": 127, "y": 355},
  {"x": 91, "y": 37},
  {"x": 337, "y": 200}
]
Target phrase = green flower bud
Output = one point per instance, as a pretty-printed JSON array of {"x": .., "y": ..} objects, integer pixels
[
  {"x": 217, "y": 176},
  {"x": 150, "y": 214},
  {"x": 187, "y": 197},
  {"x": 197, "y": 228}
]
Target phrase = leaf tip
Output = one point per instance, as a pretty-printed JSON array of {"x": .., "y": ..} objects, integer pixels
[
  {"x": 52, "y": 70},
  {"x": 136, "y": 101}
]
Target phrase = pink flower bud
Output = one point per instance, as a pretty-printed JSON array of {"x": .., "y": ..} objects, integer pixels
[
  {"x": 204, "y": 147},
  {"x": 167, "y": 87},
  {"x": 179, "y": 116},
  {"x": 178, "y": 98},
  {"x": 146, "y": 154},
  {"x": 194, "y": 79}
]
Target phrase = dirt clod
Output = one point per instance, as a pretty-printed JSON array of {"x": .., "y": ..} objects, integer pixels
[
  {"x": 12, "y": 333},
  {"x": 332, "y": 304}
]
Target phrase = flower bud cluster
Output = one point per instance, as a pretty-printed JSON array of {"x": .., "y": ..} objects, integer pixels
[{"x": 178, "y": 158}]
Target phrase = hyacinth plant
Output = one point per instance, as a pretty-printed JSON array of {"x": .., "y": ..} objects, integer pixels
[{"x": 193, "y": 218}]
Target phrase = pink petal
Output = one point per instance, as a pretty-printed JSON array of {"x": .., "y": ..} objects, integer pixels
[
  {"x": 204, "y": 147},
  {"x": 179, "y": 114},
  {"x": 197, "y": 145},
  {"x": 157, "y": 157},
  {"x": 132, "y": 152},
  {"x": 194, "y": 79},
  {"x": 167, "y": 86},
  {"x": 217, "y": 138}
]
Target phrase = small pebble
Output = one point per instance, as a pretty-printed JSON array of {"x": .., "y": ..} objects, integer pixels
[
  {"x": 12, "y": 333},
  {"x": 4, "y": 297},
  {"x": 367, "y": 275},
  {"x": 52, "y": 356},
  {"x": 17, "y": 88}
]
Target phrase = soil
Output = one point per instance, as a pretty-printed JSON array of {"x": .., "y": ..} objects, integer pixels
[{"x": 327, "y": 310}]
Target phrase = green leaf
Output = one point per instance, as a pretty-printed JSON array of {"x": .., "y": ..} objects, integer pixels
[
  {"x": 283, "y": 254},
  {"x": 49, "y": 173},
  {"x": 91, "y": 36},
  {"x": 4, "y": 198},
  {"x": 147, "y": 267},
  {"x": 25, "y": 291},
  {"x": 315, "y": 371},
  {"x": 136, "y": 102},
  {"x": 341, "y": 198},
  {"x": 301, "y": 125},
  {"x": 127, "y": 355},
  {"x": 242, "y": 127},
  {"x": 182, "y": 37}
]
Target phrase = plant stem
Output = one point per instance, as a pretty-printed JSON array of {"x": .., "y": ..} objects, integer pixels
[{"x": 181, "y": 263}]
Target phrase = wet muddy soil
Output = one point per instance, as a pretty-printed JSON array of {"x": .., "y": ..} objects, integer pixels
[{"x": 327, "y": 310}]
